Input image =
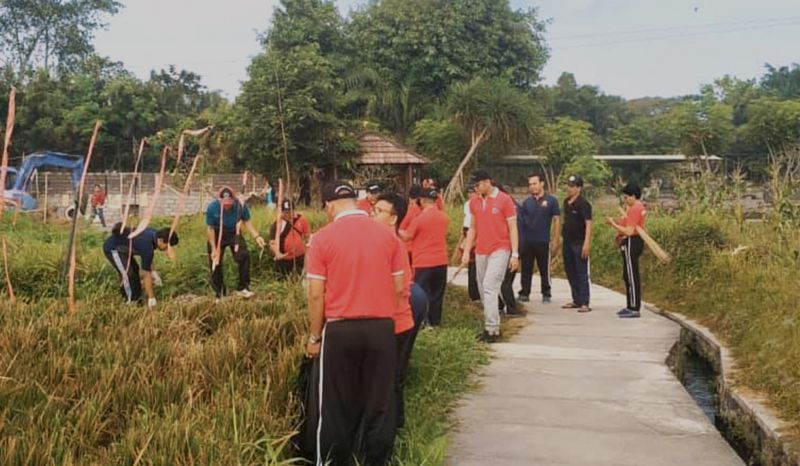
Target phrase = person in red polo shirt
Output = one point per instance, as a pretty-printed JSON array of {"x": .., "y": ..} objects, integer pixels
[
  {"x": 428, "y": 232},
  {"x": 493, "y": 231},
  {"x": 389, "y": 211},
  {"x": 290, "y": 251},
  {"x": 98, "y": 201},
  {"x": 354, "y": 268},
  {"x": 413, "y": 211},
  {"x": 431, "y": 183},
  {"x": 631, "y": 247},
  {"x": 373, "y": 189}
]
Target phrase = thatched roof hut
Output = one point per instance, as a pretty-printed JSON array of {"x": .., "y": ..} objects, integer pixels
[{"x": 382, "y": 153}]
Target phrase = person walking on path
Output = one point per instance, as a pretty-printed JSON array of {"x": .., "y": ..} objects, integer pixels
[
  {"x": 631, "y": 247},
  {"x": 577, "y": 236},
  {"x": 428, "y": 232},
  {"x": 98, "y": 202},
  {"x": 389, "y": 211},
  {"x": 290, "y": 250},
  {"x": 412, "y": 212},
  {"x": 222, "y": 216},
  {"x": 506, "y": 303},
  {"x": 538, "y": 215},
  {"x": 355, "y": 273},
  {"x": 121, "y": 251},
  {"x": 493, "y": 231},
  {"x": 472, "y": 280},
  {"x": 374, "y": 190}
]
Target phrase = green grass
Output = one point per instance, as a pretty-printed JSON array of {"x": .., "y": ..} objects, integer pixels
[
  {"x": 188, "y": 382},
  {"x": 751, "y": 299}
]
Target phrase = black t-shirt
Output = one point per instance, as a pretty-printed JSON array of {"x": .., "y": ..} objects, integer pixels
[{"x": 575, "y": 217}]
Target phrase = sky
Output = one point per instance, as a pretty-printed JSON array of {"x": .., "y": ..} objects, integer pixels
[{"x": 632, "y": 48}]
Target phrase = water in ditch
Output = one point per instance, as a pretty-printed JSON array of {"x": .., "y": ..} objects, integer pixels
[{"x": 699, "y": 380}]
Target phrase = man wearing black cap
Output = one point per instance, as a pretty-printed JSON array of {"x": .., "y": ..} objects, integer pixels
[
  {"x": 577, "y": 235},
  {"x": 222, "y": 216},
  {"x": 355, "y": 269},
  {"x": 291, "y": 249},
  {"x": 373, "y": 189},
  {"x": 493, "y": 231}
]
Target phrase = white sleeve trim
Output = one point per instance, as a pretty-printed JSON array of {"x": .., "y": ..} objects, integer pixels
[{"x": 312, "y": 276}]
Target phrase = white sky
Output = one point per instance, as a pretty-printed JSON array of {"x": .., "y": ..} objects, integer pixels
[{"x": 681, "y": 44}]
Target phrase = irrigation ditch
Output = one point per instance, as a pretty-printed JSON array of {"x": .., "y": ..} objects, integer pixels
[{"x": 706, "y": 369}]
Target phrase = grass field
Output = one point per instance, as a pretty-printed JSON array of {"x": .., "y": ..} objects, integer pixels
[{"x": 189, "y": 382}]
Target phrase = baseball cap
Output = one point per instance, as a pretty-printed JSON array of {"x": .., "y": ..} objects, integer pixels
[
  {"x": 286, "y": 206},
  {"x": 373, "y": 187},
  {"x": 429, "y": 193},
  {"x": 575, "y": 180},
  {"x": 480, "y": 175},
  {"x": 336, "y": 190}
]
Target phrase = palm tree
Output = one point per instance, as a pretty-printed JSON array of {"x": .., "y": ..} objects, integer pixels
[{"x": 487, "y": 110}]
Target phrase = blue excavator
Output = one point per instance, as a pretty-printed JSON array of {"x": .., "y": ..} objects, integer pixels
[{"x": 18, "y": 181}]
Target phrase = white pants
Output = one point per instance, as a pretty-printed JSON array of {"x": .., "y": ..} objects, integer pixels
[{"x": 491, "y": 270}]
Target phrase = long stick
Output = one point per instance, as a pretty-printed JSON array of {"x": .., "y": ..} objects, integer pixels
[
  {"x": 12, "y": 110},
  {"x": 9, "y": 288},
  {"x": 143, "y": 224},
  {"x": 74, "y": 234},
  {"x": 182, "y": 143},
  {"x": 128, "y": 200},
  {"x": 652, "y": 245},
  {"x": 182, "y": 198}
]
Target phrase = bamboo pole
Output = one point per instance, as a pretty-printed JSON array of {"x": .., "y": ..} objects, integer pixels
[
  {"x": 9, "y": 288},
  {"x": 151, "y": 208},
  {"x": 74, "y": 233},
  {"x": 12, "y": 110}
]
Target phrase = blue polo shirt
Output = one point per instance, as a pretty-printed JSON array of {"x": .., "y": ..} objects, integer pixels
[
  {"x": 229, "y": 217},
  {"x": 144, "y": 246},
  {"x": 536, "y": 216}
]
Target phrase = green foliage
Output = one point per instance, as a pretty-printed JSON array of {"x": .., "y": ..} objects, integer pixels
[
  {"x": 773, "y": 124},
  {"x": 782, "y": 82},
  {"x": 586, "y": 103},
  {"x": 53, "y": 34},
  {"x": 702, "y": 127},
  {"x": 561, "y": 142},
  {"x": 596, "y": 173},
  {"x": 443, "y": 141}
]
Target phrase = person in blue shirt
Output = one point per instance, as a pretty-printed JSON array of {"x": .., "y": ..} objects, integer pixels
[
  {"x": 121, "y": 251},
  {"x": 222, "y": 217},
  {"x": 536, "y": 218}
]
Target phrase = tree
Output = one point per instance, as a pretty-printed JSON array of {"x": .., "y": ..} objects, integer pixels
[
  {"x": 419, "y": 49},
  {"x": 53, "y": 34},
  {"x": 560, "y": 143},
  {"x": 782, "y": 83},
  {"x": 773, "y": 125},
  {"x": 702, "y": 127},
  {"x": 442, "y": 141},
  {"x": 587, "y": 103},
  {"x": 487, "y": 110},
  {"x": 594, "y": 172}
]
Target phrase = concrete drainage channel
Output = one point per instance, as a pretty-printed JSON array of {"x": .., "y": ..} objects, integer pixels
[{"x": 705, "y": 367}]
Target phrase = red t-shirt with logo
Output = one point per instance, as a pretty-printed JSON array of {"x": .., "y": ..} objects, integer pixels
[
  {"x": 429, "y": 233},
  {"x": 294, "y": 244},
  {"x": 404, "y": 319},
  {"x": 358, "y": 260},
  {"x": 491, "y": 215}
]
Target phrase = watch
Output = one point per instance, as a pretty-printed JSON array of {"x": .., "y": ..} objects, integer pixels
[
  {"x": 313, "y": 340},
  {"x": 515, "y": 255}
]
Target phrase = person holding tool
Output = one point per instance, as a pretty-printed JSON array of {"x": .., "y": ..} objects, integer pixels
[
  {"x": 290, "y": 249},
  {"x": 222, "y": 217},
  {"x": 631, "y": 247},
  {"x": 121, "y": 251}
]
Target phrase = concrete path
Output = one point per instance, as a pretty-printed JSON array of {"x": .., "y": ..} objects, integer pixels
[{"x": 584, "y": 389}]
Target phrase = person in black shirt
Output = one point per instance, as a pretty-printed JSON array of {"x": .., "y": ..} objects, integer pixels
[
  {"x": 121, "y": 251},
  {"x": 577, "y": 235}
]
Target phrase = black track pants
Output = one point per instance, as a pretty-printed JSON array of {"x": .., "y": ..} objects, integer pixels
[
  {"x": 631, "y": 249},
  {"x": 538, "y": 253},
  {"x": 434, "y": 281},
  {"x": 242, "y": 258}
]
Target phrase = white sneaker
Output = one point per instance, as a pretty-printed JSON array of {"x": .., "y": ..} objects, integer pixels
[{"x": 245, "y": 293}]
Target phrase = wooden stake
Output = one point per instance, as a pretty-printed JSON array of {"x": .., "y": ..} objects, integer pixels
[
  {"x": 10, "y": 289},
  {"x": 74, "y": 234},
  {"x": 12, "y": 110},
  {"x": 145, "y": 221},
  {"x": 126, "y": 209},
  {"x": 182, "y": 198}
]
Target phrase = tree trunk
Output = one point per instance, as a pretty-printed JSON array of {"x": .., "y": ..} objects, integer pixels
[{"x": 456, "y": 185}]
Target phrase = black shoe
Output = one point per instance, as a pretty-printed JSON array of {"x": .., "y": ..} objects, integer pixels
[
  {"x": 546, "y": 299},
  {"x": 487, "y": 337},
  {"x": 523, "y": 298},
  {"x": 512, "y": 313}
]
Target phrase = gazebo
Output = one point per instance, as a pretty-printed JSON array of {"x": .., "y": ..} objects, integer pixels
[{"x": 379, "y": 152}]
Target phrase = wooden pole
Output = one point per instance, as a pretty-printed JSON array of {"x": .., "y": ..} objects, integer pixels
[
  {"x": 46, "y": 196},
  {"x": 9, "y": 288}
]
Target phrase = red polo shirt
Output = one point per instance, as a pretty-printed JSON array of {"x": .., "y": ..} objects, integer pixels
[
  {"x": 429, "y": 233},
  {"x": 358, "y": 260},
  {"x": 491, "y": 215},
  {"x": 440, "y": 203},
  {"x": 293, "y": 244},
  {"x": 364, "y": 205},
  {"x": 404, "y": 319}
]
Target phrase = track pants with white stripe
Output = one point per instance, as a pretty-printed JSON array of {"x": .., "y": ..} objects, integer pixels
[
  {"x": 357, "y": 392},
  {"x": 631, "y": 249},
  {"x": 130, "y": 284}
]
